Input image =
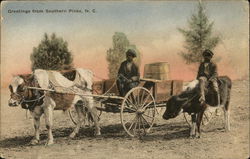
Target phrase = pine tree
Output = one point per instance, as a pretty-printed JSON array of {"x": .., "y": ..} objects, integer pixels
[
  {"x": 116, "y": 55},
  {"x": 51, "y": 54},
  {"x": 198, "y": 37}
]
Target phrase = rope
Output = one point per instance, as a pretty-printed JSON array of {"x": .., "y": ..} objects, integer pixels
[
  {"x": 105, "y": 79},
  {"x": 33, "y": 100},
  {"x": 110, "y": 88},
  {"x": 190, "y": 99}
]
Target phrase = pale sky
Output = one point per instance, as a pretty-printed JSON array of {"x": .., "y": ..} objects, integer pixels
[{"x": 151, "y": 26}]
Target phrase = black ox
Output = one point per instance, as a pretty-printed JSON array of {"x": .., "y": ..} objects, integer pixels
[{"x": 188, "y": 101}]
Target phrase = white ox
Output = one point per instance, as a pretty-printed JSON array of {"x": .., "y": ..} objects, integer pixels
[
  {"x": 44, "y": 102},
  {"x": 191, "y": 85}
]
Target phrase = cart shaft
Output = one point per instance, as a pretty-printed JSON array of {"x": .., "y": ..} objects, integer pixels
[{"x": 80, "y": 94}]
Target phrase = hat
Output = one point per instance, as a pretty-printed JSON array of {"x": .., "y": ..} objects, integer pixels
[
  {"x": 131, "y": 53},
  {"x": 207, "y": 52}
]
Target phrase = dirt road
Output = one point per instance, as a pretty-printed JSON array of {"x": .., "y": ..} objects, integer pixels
[{"x": 168, "y": 139}]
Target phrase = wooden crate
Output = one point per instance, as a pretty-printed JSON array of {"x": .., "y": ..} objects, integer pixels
[
  {"x": 162, "y": 90},
  {"x": 100, "y": 87},
  {"x": 159, "y": 71},
  {"x": 108, "y": 84},
  {"x": 177, "y": 87}
]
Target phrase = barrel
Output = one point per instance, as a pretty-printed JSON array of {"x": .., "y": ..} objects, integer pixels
[{"x": 158, "y": 71}]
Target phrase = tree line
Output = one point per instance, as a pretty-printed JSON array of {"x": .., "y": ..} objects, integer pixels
[{"x": 53, "y": 54}]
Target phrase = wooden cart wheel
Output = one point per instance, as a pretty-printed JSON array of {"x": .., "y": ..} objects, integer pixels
[
  {"x": 141, "y": 108},
  {"x": 207, "y": 116},
  {"x": 187, "y": 118},
  {"x": 100, "y": 113},
  {"x": 72, "y": 114}
]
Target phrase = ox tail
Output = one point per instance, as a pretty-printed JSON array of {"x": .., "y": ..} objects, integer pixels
[
  {"x": 227, "y": 80},
  {"x": 90, "y": 117}
]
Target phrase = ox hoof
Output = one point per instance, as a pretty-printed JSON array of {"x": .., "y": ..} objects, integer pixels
[
  {"x": 98, "y": 134},
  {"x": 34, "y": 142},
  {"x": 198, "y": 136},
  {"x": 227, "y": 129},
  {"x": 49, "y": 142},
  {"x": 217, "y": 112},
  {"x": 191, "y": 137},
  {"x": 72, "y": 135}
]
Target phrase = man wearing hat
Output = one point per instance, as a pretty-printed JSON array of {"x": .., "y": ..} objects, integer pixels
[
  {"x": 128, "y": 74},
  {"x": 207, "y": 73}
]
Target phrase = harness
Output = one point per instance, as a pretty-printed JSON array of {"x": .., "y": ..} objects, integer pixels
[
  {"x": 189, "y": 100},
  {"x": 26, "y": 100}
]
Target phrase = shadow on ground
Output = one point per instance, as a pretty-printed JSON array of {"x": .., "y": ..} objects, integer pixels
[{"x": 168, "y": 131}]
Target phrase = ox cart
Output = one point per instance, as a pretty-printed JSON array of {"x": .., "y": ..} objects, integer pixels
[{"x": 138, "y": 107}]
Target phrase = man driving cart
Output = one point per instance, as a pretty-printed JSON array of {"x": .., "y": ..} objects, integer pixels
[{"x": 128, "y": 74}]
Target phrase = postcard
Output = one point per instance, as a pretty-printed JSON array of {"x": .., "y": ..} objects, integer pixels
[{"x": 125, "y": 79}]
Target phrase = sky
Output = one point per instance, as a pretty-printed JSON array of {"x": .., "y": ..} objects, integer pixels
[{"x": 150, "y": 25}]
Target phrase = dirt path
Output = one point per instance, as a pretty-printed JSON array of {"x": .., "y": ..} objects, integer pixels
[{"x": 168, "y": 139}]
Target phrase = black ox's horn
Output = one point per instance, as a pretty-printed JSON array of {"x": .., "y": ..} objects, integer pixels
[{"x": 181, "y": 99}]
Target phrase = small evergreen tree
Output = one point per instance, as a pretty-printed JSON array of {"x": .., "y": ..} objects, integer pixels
[
  {"x": 51, "y": 54},
  {"x": 116, "y": 55},
  {"x": 198, "y": 37}
]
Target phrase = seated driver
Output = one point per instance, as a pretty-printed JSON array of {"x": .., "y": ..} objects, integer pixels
[
  {"x": 208, "y": 73},
  {"x": 128, "y": 74}
]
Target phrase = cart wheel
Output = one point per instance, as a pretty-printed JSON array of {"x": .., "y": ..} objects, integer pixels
[
  {"x": 141, "y": 108},
  {"x": 99, "y": 112},
  {"x": 99, "y": 115},
  {"x": 72, "y": 114},
  {"x": 207, "y": 116},
  {"x": 187, "y": 118}
]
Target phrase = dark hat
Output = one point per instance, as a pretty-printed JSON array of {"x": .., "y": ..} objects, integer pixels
[
  {"x": 207, "y": 52},
  {"x": 131, "y": 53}
]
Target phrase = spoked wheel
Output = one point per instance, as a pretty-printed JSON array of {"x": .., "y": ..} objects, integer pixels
[
  {"x": 138, "y": 111},
  {"x": 207, "y": 116},
  {"x": 73, "y": 115},
  {"x": 100, "y": 113}
]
